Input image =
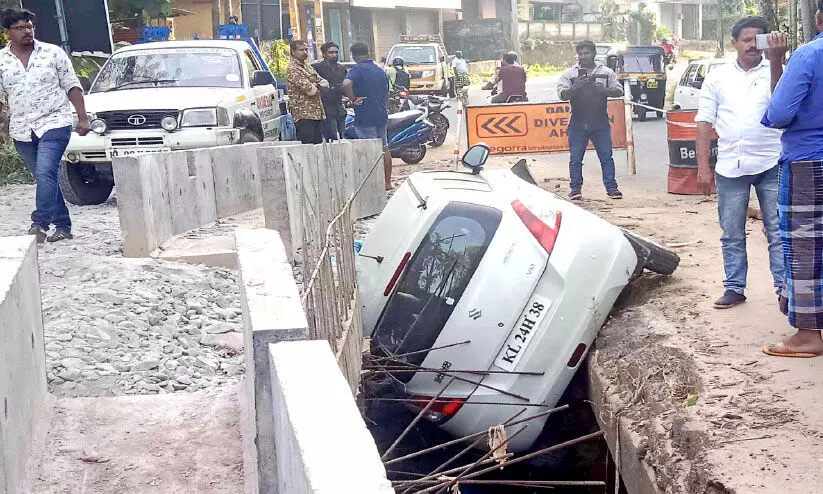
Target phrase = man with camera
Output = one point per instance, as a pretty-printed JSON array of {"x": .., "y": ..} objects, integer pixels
[{"x": 587, "y": 87}]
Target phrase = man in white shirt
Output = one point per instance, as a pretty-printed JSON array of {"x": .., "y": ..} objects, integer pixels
[
  {"x": 733, "y": 99},
  {"x": 38, "y": 81}
]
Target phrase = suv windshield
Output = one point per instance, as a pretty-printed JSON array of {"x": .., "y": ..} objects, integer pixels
[
  {"x": 414, "y": 55},
  {"x": 170, "y": 67},
  {"x": 434, "y": 280},
  {"x": 640, "y": 64}
]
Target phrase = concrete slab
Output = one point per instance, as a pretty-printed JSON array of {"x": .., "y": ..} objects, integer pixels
[
  {"x": 211, "y": 245},
  {"x": 181, "y": 442},
  {"x": 272, "y": 312},
  {"x": 236, "y": 179},
  {"x": 23, "y": 395},
  {"x": 191, "y": 190},
  {"x": 322, "y": 443}
]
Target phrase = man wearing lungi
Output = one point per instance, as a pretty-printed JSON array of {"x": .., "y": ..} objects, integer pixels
[
  {"x": 733, "y": 99},
  {"x": 797, "y": 107}
]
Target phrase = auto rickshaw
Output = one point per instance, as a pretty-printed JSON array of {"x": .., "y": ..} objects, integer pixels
[{"x": 645, "y": 69}]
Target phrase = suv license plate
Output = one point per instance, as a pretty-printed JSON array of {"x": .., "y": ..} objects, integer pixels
[
  {"x": 115, "y": 153},
  {"x": 519, "y": 339}
]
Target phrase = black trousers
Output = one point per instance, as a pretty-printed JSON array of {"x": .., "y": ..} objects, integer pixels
[
  {"x": 334, "y": 127},
  {"x": 309, "y": 131}
]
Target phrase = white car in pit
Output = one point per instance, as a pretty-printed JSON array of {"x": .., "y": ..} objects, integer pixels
[
  {"x": 488, "y": 272},
  {"x": 166, "y": 96}
]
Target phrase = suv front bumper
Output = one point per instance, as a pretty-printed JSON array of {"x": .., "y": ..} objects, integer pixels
[{"x": 96, "y": 148}]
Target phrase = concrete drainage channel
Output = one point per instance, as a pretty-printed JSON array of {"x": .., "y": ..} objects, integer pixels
[{"x": 302, "y": 430}]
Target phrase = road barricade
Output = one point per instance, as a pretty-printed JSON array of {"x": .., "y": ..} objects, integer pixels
[
  {"x": 533, "y": 127},
  {"x": 682, "y": 134}
]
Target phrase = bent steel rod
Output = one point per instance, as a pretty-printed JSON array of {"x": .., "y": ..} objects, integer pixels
[
  {"x": 415, "y": 421},
  {"x": 422, "y": 351},
  {"x": 478, "y": 434}
]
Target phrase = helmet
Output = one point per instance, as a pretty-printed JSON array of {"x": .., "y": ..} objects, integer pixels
[{"x": 398, "y": 62}]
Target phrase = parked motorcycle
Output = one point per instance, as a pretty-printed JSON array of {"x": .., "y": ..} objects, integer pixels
[
  {"x": 435, "y": 106},
  {"x": 408, "y": 133},
  {"x": 399, "y": 100}
]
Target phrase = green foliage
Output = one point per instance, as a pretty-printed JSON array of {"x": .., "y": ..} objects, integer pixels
[
  {"x": 139, "y": 10},
  {"x": 642, "y": 24},
  {"x": 538, "y": 70},
  {"x": 276, "y": 55},
  {"x": 663, "y": 32},
  {"x": 84, "y": 66},
  {"x": 12, "y": 168},
  {"x": 612, "y": 21}
]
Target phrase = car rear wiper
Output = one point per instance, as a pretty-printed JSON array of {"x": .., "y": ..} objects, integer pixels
[{"x": 141, "y": 81}]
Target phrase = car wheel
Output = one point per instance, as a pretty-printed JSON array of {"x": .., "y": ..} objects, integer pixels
[
  {"x": 660, "y": 114},
  {"x": 413, "y": 154},
  {"x": 651, "y": 255},
  {"x": 249, "y": 136},
  {"x": 441, "y": 129},
  {"x": 82, "y": 185},
  {"x": 641, "y": 114}
]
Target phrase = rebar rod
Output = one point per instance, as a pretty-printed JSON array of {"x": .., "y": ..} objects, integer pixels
[
  {"x": 415, "y": 421},
  {"x": 421, "y": 351}
]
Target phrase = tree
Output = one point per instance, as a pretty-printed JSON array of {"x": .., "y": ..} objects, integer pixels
[
  {"x": 808, "y": 8},
  {"x": 612, "y": 21},
  {"x": 138, "y": 11}
]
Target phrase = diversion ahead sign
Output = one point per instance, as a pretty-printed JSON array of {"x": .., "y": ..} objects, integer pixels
[{"x": 532, "y": 127}]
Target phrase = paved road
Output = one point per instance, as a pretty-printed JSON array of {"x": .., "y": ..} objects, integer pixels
[{"x": 650, "y": 140}]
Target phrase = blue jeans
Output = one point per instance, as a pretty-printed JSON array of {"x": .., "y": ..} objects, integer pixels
[
  {"x": 372, "y": 133},
  {"x": 732, "y": 206},
  {"x": 602, "y": 140},
  {"x": 42, "y": 156}
]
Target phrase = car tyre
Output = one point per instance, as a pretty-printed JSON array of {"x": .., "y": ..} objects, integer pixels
[
  {"x": 651, "y": 255},
  {"x": 82, "y": 185},
  {"x": 249, "y": 136},
  {"x": 641, "y": 114},
  {"x": 413, "y": 154},
  {"x": 660, "y": 114},
  {"x": 441, "y": 129}
]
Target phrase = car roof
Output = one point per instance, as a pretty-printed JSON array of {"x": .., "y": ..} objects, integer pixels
[
  {"x": 709, "y": 61},
  {"x": 237, "y": 45}
]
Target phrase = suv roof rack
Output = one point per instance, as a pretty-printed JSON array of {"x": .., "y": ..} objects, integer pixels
[{"x": 424, "y": 38}]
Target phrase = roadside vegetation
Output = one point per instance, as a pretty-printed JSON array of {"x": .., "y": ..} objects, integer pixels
[{"x": 12, "y": 168}]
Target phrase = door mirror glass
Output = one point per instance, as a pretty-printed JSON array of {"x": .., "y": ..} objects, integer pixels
[
  {"x": 476, "y": 157},
  {"x": 261, "y": 78}
]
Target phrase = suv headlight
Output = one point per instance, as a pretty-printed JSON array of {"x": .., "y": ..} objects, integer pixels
[
  {"x": 199, "y": 117},
  {"x": 428, "y": 73}
]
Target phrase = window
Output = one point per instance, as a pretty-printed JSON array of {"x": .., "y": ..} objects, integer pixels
[
  {"x": 640, "y": 63},
  {"x": 251, "y": 64},
  {"x": 688, "y": 76},
  {"x": 170, "y": 67},
  {"x": 435, "y": 279},
  {"x": 414, "y": 55}
]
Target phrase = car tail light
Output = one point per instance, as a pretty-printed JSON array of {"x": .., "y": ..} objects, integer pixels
[
  {"x": 546, "y": 235},
  {"x": 441, "y": 410},
  {"x": 396, "y": 275}
]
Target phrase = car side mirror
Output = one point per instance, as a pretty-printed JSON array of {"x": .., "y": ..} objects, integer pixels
[
  {"x": 85, "y": 83},
  {"x": 261, "y": 78},
  {"x": 476, "y": 157}
]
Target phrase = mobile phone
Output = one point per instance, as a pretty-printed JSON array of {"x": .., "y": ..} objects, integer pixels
[{"x": 761, "y": 41}]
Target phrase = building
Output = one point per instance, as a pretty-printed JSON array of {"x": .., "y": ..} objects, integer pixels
[
  {"x": 196, "y": 19},
  {"x": 683, "y": 17}
]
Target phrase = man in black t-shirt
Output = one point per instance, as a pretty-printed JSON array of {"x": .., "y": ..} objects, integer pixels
[
  {"x": 334, "y": 127},
  {"x": 587, "y": 87}
]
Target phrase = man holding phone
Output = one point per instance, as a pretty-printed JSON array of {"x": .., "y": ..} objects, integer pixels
[
  {"x": 587, "y": 87},
  {"x": 733, "y": 99}
]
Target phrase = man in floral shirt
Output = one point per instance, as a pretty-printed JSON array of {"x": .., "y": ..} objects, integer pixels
[
  {"x": 304, "y": 86},
  {"x": 38, "y": 81}
]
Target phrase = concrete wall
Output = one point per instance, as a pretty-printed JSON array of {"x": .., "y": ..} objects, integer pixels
[
  {"x": 23, "y": 393},
  {"x": 558, "y": 53},
  {"x": 162, "y": 195},
  {"x": 322, "y": 443},
  {"x": 483, "y": 39},
  {"x": 272, "y": 313},
  {"x": 572, "y": 31}
]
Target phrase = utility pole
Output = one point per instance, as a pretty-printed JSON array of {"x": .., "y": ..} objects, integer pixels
[
  {"x": 215, "y": 18},
  {"x": 515, "y": 28},
  {"x": 719, "y": 51},
  {"x": 793, "y": 24},
  {"x": 61, "y": 23}
]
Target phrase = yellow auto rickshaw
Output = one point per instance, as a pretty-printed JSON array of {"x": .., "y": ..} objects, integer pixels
[{"x": 645, "y": 70}]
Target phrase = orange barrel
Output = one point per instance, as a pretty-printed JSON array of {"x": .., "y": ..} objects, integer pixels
[{"x": 682, "y": 134}]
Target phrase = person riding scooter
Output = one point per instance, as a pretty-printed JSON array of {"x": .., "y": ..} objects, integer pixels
[
  {"x": 398, "y": 76},
  {"x": 512, "y": 78}
]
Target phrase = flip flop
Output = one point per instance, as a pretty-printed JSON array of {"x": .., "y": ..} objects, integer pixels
[{"x": 781, "y": 350}]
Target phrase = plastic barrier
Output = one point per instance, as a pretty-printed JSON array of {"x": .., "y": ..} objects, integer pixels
[{"x": 682, "y": 134}]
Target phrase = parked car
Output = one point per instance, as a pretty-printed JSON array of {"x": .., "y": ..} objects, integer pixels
[
  {"x": 688, "y": 88},
  {"x": 426, "y": 62},
  {"x": 164, "y": 96},
  {"x": 603, "y": 50},
  {"x": 527, "y": 278}
]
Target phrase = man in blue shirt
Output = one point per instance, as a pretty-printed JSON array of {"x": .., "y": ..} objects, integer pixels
[
  {"x": 367, "y": 86},
  {"x": 797, "y": 107}
]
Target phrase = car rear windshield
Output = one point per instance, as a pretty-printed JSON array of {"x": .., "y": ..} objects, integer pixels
[
  {"x": 170, "y": 67},
  {"x": 434, "y": 280},
  {"x": 414, "y": 55}
]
